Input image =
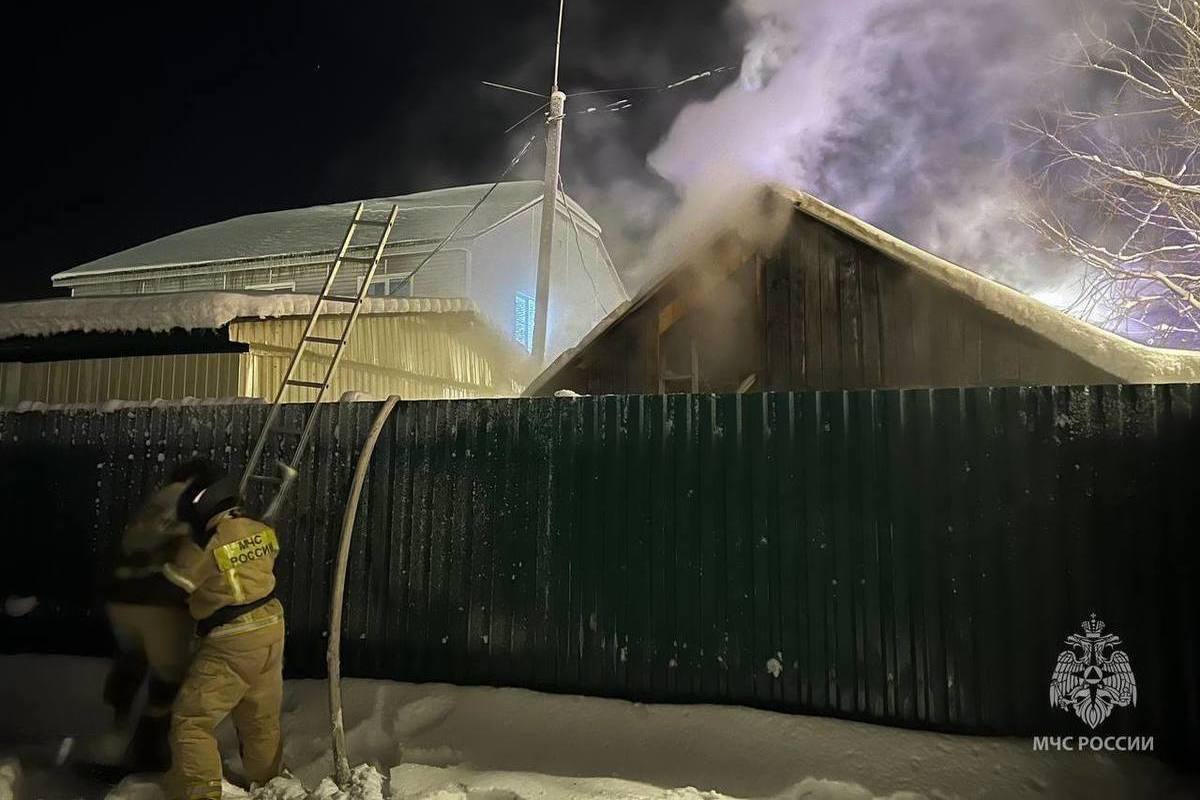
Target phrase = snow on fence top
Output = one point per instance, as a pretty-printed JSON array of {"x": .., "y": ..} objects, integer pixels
[
  {"x": 108, "y": 406},
  {"x": 190, "y": 311}
]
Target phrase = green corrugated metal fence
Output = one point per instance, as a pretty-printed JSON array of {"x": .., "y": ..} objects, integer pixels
[{"x": 911, "y": 558}]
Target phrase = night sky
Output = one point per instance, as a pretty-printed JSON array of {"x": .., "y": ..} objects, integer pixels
[{"x": 126, "y": 125}]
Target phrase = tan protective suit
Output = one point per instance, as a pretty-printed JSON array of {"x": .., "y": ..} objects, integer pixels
[
  {"x": 151, "y": 624},
  {"x": 238, "y": 667}
]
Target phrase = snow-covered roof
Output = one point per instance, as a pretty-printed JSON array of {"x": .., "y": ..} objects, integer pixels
[
  {"x": 423, "y": 217},
  {"x": 191, "y": 311},
  {"x": 1127, "y": 360}
]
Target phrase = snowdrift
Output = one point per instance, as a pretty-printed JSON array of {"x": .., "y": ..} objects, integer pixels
[{"x": 447, "y": 742}]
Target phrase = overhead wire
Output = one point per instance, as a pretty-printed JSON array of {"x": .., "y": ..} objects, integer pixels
[
  {"x": 617, "y": 105},
  {"x": 525, "y": 118},
  {"x": 506, "y": 87},
  {"x": 454, "y": 231},
  {"x": 625, "y": 103},
  {"x": 578, "y": 246}
]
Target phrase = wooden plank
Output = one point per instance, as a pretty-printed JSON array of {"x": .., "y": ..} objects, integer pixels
[
  {"x": 998, "y": 354},
  {"x": 972, "y": 372},
  {"x": 814, "y": 348},
  {"x": 832, "y": 376},
  {"x": 776, "y": 308},
  {"x": 792, "y": 251},
  {"x": 871, "y": 319},
  {"x": 896, "y": 313},
  {"x": 939, "y": 345},
  {"x": 848, "y": 271}
]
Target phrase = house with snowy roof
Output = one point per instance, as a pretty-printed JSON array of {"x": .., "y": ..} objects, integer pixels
[
  {"x": 790, "y": 293},
  {"x": 223, "y": 345},
  {"x": 491, "y": 260}
]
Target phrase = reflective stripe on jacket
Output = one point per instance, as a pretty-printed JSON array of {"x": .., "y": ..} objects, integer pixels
[{"x": 236, "y": 567}]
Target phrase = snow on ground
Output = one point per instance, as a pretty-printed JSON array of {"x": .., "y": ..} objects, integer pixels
[
  {"x": 191, "y": 311},
  {"x": 438, "y": 742}
]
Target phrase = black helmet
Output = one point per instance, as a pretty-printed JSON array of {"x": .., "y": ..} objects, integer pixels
[{"x": 207, "y": 495}]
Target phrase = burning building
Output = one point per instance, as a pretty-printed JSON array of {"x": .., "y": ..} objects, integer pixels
[{"x": 828, "y": 302}]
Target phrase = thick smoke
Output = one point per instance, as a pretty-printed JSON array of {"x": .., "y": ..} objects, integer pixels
[{"x": 899, "y": 111}]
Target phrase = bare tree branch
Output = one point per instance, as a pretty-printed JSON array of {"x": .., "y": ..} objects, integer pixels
[{"x": 1114, "y": 181}]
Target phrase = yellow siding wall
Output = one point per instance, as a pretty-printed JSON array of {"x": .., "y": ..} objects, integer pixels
[
  {"x": 415, "y": 356},
  {"x": 94, "y": 380}
]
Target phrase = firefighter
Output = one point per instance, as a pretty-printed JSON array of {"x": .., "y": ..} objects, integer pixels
[
  {"x": 226, "y": 567},
  {"x": 152, "y": 627}
]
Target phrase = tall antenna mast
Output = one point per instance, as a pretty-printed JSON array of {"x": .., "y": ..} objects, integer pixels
[{"x": 558, "y": 102}]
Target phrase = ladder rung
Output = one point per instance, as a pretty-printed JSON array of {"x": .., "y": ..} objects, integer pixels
[
  {"x": 378, "y": 223},
  {"x": 358, "y": 259},
  {"x": 309, "y": 384},
  {"x": 322, "y": 340},
  {"x": 266, "y": 479},
  {"x": 338, "y": 298}
]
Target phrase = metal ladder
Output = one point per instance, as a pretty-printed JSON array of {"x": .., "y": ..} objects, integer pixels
[{"x": 288, "y": 469}]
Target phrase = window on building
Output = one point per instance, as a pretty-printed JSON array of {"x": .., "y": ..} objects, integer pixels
[
  {"x": 390, "y": 286},
  {"x": 290, "y": 286},
  {"x": 523, "y": 317}
]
